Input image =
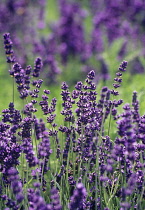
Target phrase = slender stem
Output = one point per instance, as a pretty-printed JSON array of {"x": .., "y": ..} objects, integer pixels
[
  {"x": 109, "y": 126},
  {"x": 13, "y": 89}
]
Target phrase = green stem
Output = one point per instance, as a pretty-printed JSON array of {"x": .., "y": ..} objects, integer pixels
[{"x": 13, "y": 89}]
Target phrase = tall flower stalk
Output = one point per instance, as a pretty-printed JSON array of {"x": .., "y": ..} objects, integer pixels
[{"x": 9, "y": 55}]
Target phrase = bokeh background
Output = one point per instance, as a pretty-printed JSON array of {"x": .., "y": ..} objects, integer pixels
[{"x": 73, "y": 37}]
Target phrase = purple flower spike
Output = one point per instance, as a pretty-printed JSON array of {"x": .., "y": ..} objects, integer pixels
[
  {"x": 78, "y": 197},
  {"x": 36, "y": 201},
  {"x": 16, "y": 184},
  {"x": 8, "y": 48},
  {"x": 37, "y": 67},
  {"x": 55, "y": 199},
  {"x": 118, "y": 79}
]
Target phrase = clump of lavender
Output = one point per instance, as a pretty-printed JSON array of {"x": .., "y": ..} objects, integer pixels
[{"x": 76, "y": 164}]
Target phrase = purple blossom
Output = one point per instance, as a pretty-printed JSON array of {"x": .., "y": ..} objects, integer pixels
[
  {"x": 8, "y": 48},
  {"x": 16, "y": 185},
  {"x": 37, "y": 67},
  {"x": 82, "y": 152},
  {"x": 56, "y": 205},
  {"x": 78, "y": 197},
  {"x": 36, "y": 201},
  {"x": 118, "y": 79}
]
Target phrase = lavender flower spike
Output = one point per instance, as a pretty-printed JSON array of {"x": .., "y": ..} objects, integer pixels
[
  {"x": 37, "y": 67},
  {"x": 118, "y": 79},
  {"x": 78, "y": 197},
  {"x": 8, "y": 48},
  {"x": 16, "y": 184}
]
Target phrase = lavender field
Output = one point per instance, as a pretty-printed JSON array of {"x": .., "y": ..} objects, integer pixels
[{"x": 72, "y": 118}]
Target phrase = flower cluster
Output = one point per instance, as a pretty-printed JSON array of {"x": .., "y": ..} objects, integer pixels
[{"x": 79, "y": 162}]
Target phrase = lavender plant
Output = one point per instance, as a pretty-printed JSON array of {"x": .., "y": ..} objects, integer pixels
[{"x": 76, "y": 163}]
